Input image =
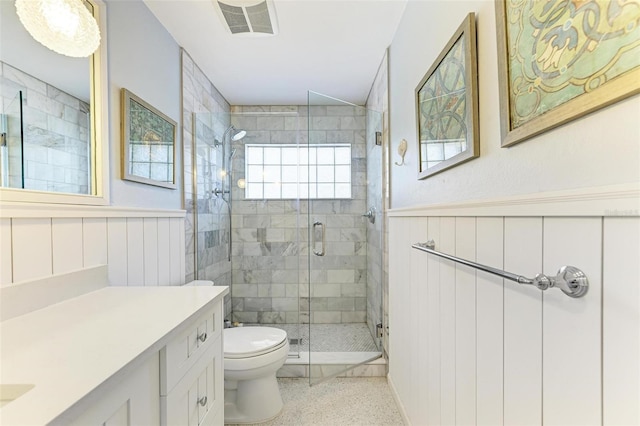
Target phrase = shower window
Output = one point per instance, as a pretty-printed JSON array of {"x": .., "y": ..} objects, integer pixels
[{"x": 286, "y": 171}]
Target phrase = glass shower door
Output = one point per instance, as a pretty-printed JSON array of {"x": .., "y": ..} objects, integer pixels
[{"x": 344, "y": 306}]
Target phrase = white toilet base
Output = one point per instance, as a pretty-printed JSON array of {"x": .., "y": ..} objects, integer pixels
[{"x": 252, "y": 401}]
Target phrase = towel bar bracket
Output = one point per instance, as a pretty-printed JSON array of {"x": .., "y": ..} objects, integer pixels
[{"x": 571, "y": 280}]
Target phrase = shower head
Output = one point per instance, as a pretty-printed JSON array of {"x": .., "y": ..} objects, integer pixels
[
  {"x": 236, "y": 134},
  {"x": 239, "y": 135}
]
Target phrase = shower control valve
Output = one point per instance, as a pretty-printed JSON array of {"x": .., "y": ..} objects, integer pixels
[{"x": 218, "y": 192}]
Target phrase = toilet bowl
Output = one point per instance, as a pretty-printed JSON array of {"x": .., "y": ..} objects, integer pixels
[{"x": 252, "y": 355}]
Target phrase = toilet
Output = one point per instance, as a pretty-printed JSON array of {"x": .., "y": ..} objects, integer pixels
[{"x": 252, "y": 356}]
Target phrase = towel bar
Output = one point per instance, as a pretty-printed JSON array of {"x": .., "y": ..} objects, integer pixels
[{"x": 571, "y": 280}]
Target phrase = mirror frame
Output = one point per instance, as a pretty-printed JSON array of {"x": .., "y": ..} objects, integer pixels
[
  {"x": 99, "y": 144},
  {"x": 125, "y": 111},
  {"x": 466, "y": 31}
]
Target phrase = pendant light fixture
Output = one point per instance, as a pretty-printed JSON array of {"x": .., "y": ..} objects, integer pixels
[{"x": 64, "y": 26}]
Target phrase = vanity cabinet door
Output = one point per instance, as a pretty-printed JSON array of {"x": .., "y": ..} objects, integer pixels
[
  {"x": 133, "y": 401},
  {"x": 198, "y": 398},
  {"x": 186, "y": 348}
]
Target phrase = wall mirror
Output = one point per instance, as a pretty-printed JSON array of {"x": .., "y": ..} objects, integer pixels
[
  {"x": 447, "y": 105},
  {"x": 54, "y": 115},
  {"x": 148, "y": 143}
]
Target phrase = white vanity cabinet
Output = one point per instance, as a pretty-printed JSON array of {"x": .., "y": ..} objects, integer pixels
[
  {"x": 191, "y": 373},
  {"x": 118, "y": 356},
  {"x": 134, "y": 401}
]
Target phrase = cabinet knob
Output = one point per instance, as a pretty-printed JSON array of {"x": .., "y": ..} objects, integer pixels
[
  {"x": 202, "y": 337},
  {"x": 203, "y": 401}
]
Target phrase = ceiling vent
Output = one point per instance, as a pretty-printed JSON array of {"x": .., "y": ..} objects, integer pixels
[{"x": 248, "y": 17}]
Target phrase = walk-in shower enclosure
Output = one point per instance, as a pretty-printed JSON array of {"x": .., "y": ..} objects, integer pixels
[{"x": 295, "y": 205}]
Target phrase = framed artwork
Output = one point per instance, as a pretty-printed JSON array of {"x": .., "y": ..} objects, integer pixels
[
  {"x": 447, "y": 105},
  {"x": 148, "y": 143},
  {"x": 559, "y": 60}
]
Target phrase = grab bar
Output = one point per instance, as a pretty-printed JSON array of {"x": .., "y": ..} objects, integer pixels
[{"x": 571, "y": 280}]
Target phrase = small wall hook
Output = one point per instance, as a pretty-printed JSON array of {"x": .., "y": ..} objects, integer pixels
[{"x": 402, "y": 150}]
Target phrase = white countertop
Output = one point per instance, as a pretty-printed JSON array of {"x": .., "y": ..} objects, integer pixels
[{"x": 69, "y": 349}]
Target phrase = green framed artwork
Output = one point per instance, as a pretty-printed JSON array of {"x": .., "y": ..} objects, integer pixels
[
  {"x": 447, "y": 105},
  {"x": 148, "y": 143},
  {"x": 559, "y": 60}
]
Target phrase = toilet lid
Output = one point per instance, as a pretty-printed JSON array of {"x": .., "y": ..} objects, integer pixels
[{"x": 241, "y": 342}]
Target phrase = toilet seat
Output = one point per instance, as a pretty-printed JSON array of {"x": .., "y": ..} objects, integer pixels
[{"x": 247, "y": 342}]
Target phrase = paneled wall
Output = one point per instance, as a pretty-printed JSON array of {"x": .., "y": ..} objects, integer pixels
[
  {"x": 467, "y": 347},
  {"x": 140, "y": 247}
]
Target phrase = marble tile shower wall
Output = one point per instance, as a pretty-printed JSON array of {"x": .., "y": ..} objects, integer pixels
[
  {"x": 271, "y": 280},
  {"x": 56, "y": 134},
  {"x": 205, "y": 112}
]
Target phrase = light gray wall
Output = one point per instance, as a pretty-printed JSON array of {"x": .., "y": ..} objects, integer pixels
[
  {"x": 599, "y": 149},
  {"x": 143, "y": 58}
]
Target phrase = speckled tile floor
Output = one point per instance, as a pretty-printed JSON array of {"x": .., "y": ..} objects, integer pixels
[{"x": 337, "y": 402}]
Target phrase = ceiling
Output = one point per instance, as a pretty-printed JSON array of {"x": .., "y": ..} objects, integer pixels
[{"x": 332, "y": 47}]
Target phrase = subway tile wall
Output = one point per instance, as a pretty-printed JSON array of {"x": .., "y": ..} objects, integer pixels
[
  {"x": 271, "y": 280},
  {"x": 205, "y": 118}
]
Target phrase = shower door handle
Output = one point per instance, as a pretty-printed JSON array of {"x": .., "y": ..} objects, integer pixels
[{"x": 321, "y": 252}]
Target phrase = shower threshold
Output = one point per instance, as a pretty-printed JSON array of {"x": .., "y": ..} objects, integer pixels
[{"x": 321, "y": 365}]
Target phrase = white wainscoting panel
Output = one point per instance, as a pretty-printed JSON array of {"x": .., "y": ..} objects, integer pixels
[
  {"x": 399, "y": 333},
  {"x": 6, "y": 261},
  {"x": 572, "y": 327},
  {"x": 94, "y": 240},
  {"x": 467, "y": 347},
  {"x": 138, "y": 247},
  {"x": 431, "y": 400},
  {"x": 117, "y": 250},
  {"x": 177, "y": 247},
  {"x": 135, "y": 249},
  {"x": 522, "y": 323},
  {"x": 489, "y": 324},
  {"x": 31, "y": 246},
  {"x": 66, "y": 237},
  {"x": 465, "y": 285},
  {"x": 447, "y": 322},
  {"x": 621, "y": 321},
  {"x": 417, "y": 272},
  {"x": 151, "y": 251},
  {"x": 164, "y": 251}
]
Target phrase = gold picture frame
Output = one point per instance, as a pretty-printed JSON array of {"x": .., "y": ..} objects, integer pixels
[
  {"x": 558, "y": 61},
  {"x": 148, "y": 143},
  {"x": 447, "y": 105}
]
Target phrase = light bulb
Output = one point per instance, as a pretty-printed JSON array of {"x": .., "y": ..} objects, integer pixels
[{"x": 64, "y": 26}]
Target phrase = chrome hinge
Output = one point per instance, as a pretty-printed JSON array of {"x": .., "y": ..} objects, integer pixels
[{"x": 379, "y": 332}]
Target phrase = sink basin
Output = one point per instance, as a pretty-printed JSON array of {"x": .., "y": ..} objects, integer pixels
[{"x": 10, "y": 393}]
